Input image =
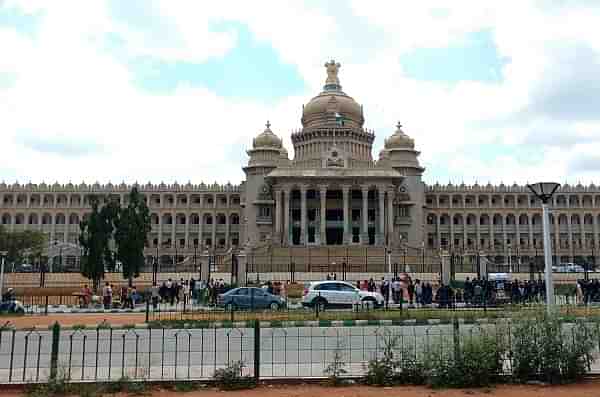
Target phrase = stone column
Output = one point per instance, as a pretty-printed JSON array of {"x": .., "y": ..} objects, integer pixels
[
  {"x": 530, "y": 231},
  {"x": 322, "y": 218},
  {"x": 570, "y": 237},
  {"x": 173, "y": 230},
  {"x": 187, "y": 230},
  {"x": 346, "y": 192},
  {"x": 303, "y": 236},
  {"x": 390, "y": 214},
  {"x": 227, "y": 215},
  {"x": 557, "y": 248},
  {"x": 214, "y": 229},
  {"x": 364, "y": 238},
  {"x": 200, "y": 237},
  {"x": 286, "y": 216},
  {"x": 381, "y": 231},
  {"x": 277, "y": 215},
  {"x": 160, "y": 222},
  {"x": 478, "y": 228},
  {"x": 445, "y": 279},
  {"x": 595, "y": 230}
]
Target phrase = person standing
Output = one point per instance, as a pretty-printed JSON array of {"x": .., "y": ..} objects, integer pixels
[
  {"x": 154, "y": 294},
  {"x": 107, "y": 296},
  {"x": 411, "y": 291},
  {"x": 396, "y": 291},
  {"x": 419, "y": 292}
]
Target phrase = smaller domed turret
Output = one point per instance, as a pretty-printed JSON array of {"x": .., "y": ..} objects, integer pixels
[
  {"x": 399, "y": 139},
  {"x": 399, "y": 152},
  {"x": 267, "y": 139}
]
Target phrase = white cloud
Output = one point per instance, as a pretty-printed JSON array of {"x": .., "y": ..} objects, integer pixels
[{"x": 67, "y": 86}]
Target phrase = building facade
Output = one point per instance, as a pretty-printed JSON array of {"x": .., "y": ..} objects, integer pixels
[{"x": 331, "y": 193}]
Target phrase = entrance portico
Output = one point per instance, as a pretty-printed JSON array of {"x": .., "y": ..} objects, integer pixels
[{"x": 313, "y": 209}]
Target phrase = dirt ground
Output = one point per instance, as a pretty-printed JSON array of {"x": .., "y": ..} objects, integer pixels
[
  {"x": 73, "y": 319},
  {"x": 580, "y": 390}
]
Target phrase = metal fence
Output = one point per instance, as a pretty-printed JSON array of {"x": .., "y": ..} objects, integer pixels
[{"x": 105, "y": 354}]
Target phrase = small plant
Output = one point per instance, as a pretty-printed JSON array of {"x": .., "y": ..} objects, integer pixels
[
  {"x": 117, "y": 386},
  {"x": 381, "y": 371},
  {"x": 335, "y": 370},
  {"x": 231, "y": 378},
  {"x": 185, "y": 387},
  {"x": 137, "y": 388}
]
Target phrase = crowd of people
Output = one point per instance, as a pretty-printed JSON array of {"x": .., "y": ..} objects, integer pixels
[
  {"x": 395, "y": 291},
  {"x": 588, "y": 291}
]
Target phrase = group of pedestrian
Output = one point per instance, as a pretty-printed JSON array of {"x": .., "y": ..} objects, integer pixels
[
  {"x": 128, "y": 296},
  {"x": 525, "y": 291},
  {"x": 398, "y": 290},
  {"x": 588, "y": 291}
]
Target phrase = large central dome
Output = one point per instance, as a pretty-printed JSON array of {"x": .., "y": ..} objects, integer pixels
[
  {"x": 332, "y": 119},
  {"x": 332, "y": 107}
]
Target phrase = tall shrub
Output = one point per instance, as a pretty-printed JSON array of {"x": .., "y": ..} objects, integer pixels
[
  {"x": 476, "y": 362},
  {"x": 548, "y": 349}
]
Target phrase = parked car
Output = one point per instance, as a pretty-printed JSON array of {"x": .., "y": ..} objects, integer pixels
[
  {"x": 24, "y": 268},
  {"x": 250, "y": 298},
  {"x": 572, "y": 268},
  {"x": 12, "y": 307},
  {"x": 324, "y": 294}
]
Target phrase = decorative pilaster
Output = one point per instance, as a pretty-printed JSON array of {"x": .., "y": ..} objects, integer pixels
[
  {"x": 286, "y": 216},
  {"x": 277, "y": 215},
  {"x": 303, "y": 236},
  {"x": 227, "y": 216},
  {"x": 214, "y": 228},
  {"x": 390, "y": 213},
  {"x": 346, "y": 192},
  {"x": 364, "y": 238},
  {"x": 381, "y": 229},
  {"x": 173, "y": 229},
  {"x": 322, "y": 218}
]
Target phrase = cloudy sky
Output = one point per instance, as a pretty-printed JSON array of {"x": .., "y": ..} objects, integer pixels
[{"x": 168, "y": 90}]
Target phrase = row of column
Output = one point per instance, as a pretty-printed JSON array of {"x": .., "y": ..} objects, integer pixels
[
  {"x": 200, "y": 231},
  {"x": 556, "y": 233},
  {"x": 282, "y": 224}
]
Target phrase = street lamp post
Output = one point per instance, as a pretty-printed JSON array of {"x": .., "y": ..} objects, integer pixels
[{"x": 544, "y": 191}]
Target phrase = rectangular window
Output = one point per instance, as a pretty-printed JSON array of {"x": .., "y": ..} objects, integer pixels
[
  {"x": 312, "y": 214},
  {"x": 311, "y": 235},
  {"x": 355, "y": 215}
]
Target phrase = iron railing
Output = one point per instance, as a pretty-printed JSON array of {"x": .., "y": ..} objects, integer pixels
[{"x": 104, "y": 354}]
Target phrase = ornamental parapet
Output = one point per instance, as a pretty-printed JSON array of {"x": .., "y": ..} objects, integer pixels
[
  {"x": 502, "y": 188},
  {"x": 110, "y": 188}
]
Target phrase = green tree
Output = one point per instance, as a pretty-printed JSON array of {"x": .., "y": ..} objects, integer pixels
[
  {"x": 21, "y": 245},
  {"x": 132, "y": 227},
  {"x": 96, "y": 234}
]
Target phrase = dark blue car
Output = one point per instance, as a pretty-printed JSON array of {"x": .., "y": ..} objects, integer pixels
[{"x": 250, "y": 298}]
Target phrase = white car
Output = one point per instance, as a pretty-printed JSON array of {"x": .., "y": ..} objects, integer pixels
[{"x": 324, "y": 294}]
